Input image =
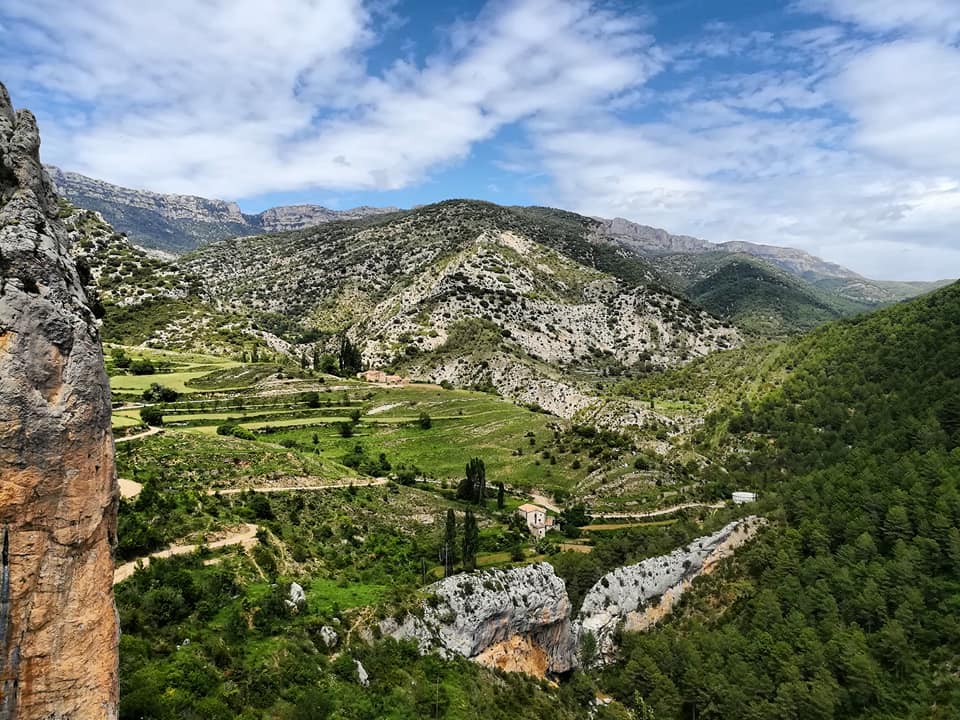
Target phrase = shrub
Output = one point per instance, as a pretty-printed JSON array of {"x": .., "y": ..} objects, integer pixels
[
  {"x": 142, "y": 367},
  {"x": 152, "y": 416}
]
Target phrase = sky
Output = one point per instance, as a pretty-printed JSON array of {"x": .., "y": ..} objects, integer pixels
[{"x": 826, "y": 125}]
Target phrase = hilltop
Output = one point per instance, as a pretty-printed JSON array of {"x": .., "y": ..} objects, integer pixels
[{"x": 770, "y": 292}]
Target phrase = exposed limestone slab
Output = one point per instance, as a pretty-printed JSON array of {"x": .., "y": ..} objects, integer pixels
[
  {"x": 487, "y": 615},
  {"x": 636, "y": 597}
]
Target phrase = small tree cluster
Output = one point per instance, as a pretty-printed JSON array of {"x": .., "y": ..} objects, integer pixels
[{"x": 473, "y": 487}]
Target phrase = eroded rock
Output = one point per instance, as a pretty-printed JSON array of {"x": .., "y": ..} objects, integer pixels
[
  {"x": 58, "y": 491},
  {"x": 636, "y": 597},
  {"x": 490, "y": 616}
]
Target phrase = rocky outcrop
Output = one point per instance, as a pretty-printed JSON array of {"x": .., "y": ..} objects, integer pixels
[
  {"x": 637, "y": 597},
  {"x": 58, "y": 492},
  {"x": 646, "y": 240},
  {"x": 517, "y": 619},
  {"x": 296, "y": 217},
  {"x": 178, "y": 223}
]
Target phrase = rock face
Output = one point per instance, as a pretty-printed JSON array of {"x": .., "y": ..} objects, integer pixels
[
  {"x": 646, "y": 240},
  {"x": 58, "y": 492},
  {"x": 179, "y": 223},
  {"x": 636, "y": 597},
  {"x": 517, "y": 619}
]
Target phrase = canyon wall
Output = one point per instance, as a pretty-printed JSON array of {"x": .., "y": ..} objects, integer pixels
[{"x": 58, "y": 494}]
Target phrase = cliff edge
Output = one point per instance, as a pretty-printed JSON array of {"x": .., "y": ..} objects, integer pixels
[{"x": 58, "y": 492}]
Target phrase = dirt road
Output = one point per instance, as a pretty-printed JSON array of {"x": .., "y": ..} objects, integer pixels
[
  {"x": 355, "y": 482},
  {"x": 652, "y": 513},
  {"x": 246, "y": 536}
]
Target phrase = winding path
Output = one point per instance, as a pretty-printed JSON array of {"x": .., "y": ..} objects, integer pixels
[
  {"x": 137, "y": 436},
  {"x": 246, "y": 537},
  {"x": 653, "y": 513},
  {"x": 355, "y": 482}
]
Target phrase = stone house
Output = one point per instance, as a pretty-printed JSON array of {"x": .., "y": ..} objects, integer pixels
[
  {"x": 536, "y": 518},
  {"x": 379, "y": 376}
]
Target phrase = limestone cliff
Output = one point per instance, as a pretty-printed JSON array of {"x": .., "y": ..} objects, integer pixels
[
  {"x": 637, "y": 597},
  {"x": 517, "y": 619},
  {"x": 58, "y": 496},
  {"x": 180, "y": 223}
]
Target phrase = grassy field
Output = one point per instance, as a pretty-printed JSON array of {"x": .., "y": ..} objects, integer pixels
[
  {"x": 443, "y": 450},
  {"x": 125, "y": 419},
  {"x": 190, "y": 459},
  {"x": 328, "y": 596}
]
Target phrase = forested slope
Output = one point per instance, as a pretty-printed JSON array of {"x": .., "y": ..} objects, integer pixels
[{"x": 849, "y": 607}]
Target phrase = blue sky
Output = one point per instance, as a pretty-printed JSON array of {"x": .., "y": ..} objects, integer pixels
[{"x": 828, "y": 125}]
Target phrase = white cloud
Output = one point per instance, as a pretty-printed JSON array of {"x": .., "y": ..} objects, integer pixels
[
  {"x": 839, "y": 139},
  {"x": 223, "y": 102},
  {"x": 905, "y": 100},
  {"x": 937, "y": 17}
]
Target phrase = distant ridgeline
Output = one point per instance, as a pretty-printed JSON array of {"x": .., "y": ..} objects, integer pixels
[{"x": 180, "y": 223}]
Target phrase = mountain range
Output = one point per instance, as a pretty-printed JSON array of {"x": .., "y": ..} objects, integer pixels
[
  {"x": 180, "y": 223},
  {"x": 764, "y": 290}
]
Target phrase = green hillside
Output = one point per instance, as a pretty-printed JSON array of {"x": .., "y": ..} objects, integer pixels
[
  {"x": 760, "y": 298},
  {"x": 848, "y": 607}
]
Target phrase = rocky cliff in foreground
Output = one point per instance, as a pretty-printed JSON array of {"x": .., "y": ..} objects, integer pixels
[{"x": 58, "y": 496}]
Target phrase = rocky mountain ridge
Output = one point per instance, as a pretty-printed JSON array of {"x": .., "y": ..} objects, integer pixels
[
  {"x": 179, "y": 223},
  {"x": 834, "y": 279},
  {"x": 473, "y": 293}
]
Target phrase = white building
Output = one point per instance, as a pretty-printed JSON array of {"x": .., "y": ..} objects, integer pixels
[
  {"x": 741, "y": 497},
  {"x": 536, "y": 518}
]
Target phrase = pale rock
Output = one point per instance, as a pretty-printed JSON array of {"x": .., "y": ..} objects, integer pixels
[
  {"x": 329, "y": 636},
  {"x": 362, "y": 674},
  {"x": 297, "y": 598},
  {"x": 636, "y": 597},
  {"x": 479, "y": 615}
]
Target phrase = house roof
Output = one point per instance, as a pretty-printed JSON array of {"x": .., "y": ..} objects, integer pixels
[{"x": 529, "y": 508}]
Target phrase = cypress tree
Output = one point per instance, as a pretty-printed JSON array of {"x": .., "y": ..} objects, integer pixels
[
  {"x": 448, "y": 553},
  {"x": 471, "y": 540}
]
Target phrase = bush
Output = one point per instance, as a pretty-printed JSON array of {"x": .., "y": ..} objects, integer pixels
[
  {"x": 234, "y": 430},
  {"x": 152, "y": 416},
  {"x": 160, "y": 393},
  {"x": 142, "y": 367},
  {"x": 425, "y": 421}
]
